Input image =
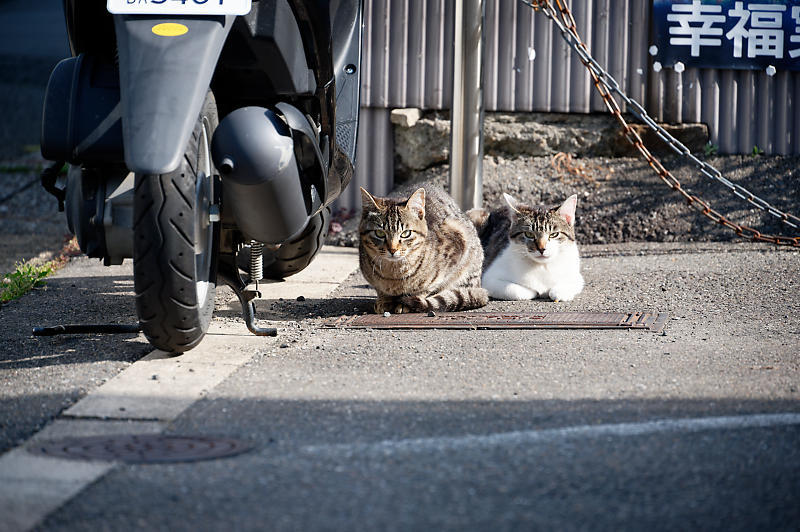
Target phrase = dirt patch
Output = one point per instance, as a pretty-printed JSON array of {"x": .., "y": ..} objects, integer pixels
[{"x": 625, "y": 201}]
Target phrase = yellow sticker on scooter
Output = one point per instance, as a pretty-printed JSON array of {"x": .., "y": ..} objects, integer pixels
[{"x": 170, "y": 29}]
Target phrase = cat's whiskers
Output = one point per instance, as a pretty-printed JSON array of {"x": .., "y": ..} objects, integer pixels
[
  {"x": 374, "y": 261},
  {"x": 551, "y": 267},
  {"x": 406, "y": 263},
  {"x": 521, "y": 252}
]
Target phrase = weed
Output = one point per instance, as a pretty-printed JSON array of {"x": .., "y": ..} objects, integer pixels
[
  {"x": 757, "y": 151},
  {"x": 565, "y": 166},
  {"x": 28, "y": 169},
  {"x": 16, "y": 169},
  {"x": 31, "y": 274},
  {"x": 710, "y": 149},
  {"x": 27, "y": 276}
]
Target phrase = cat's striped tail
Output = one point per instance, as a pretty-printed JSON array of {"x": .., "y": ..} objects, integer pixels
[{"x": 463, "y": 298}]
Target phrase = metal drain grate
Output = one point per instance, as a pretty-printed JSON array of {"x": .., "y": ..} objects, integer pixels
[
  {"x": 142, "y": 449},
  {"x": 505, "y": 320}
]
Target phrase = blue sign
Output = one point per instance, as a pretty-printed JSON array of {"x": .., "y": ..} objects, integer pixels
[{"x": 728, "y": 34}]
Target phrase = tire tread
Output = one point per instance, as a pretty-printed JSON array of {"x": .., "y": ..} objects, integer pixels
[{"x": 166, "y": 297}]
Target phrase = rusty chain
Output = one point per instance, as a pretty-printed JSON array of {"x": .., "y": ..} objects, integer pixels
[{"x": 606, "y": 84}]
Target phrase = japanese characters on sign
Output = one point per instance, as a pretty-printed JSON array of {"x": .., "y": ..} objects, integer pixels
[{"x": 728, "y": 34}]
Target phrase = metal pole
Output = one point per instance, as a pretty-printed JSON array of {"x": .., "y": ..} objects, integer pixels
[{"x": 466, "y": 116}]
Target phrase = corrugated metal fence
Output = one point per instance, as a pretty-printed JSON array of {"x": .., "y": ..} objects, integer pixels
[{"x": 407, "y": 62}]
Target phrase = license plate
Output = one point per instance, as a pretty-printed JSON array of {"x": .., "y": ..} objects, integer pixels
[{"x": 179, "y": 7}]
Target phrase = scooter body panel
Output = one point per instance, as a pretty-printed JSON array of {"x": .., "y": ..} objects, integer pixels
[
  {"x": 346, "y": 19},
  {"x": 285, "y": 79},
  {"x": 163, "y": 82}
]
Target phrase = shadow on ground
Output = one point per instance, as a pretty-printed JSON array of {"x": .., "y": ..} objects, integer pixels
[{"x": 459, "y": 465}]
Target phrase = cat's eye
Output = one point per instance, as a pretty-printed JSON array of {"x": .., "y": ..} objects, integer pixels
[
  {"x": 380, "y": 233},
  {"x": 529, "y": 234},
  {"x": 405, "y": 234},
  {"x": 554, "y": 235}
]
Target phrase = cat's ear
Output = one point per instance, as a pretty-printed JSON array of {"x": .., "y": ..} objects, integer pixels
[
  {"x": 416, "y": 203},
  {"x": 368, "y": 201},
  {"x": 511, "y": 202},
  {"x": 567, "y": 209}
]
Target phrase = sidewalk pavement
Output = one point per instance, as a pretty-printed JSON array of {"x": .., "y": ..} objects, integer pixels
[{"x": 454, "y": 429}]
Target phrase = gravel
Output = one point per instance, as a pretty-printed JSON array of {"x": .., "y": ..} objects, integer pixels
[{"x": 623, "y": 200}]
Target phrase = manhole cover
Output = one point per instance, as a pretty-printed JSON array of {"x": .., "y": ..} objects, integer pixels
[
  {"x": 142, "y": 449},
  {"x": 505, "y": 320}
]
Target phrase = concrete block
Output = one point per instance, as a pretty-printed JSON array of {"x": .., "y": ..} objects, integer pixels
[{"x": 405, "y": 117}]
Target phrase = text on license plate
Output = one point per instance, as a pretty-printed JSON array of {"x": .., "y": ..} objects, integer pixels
[{"x": 178, "y": 7}]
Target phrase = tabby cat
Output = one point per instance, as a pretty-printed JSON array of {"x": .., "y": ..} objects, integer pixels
[
  {"x": 420, "y": 253},
  {"x": 530, "y": 252}
]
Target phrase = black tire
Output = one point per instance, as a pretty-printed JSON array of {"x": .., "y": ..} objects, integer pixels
[
  {"x": 174, "y": 265},
  {"x": 294, "y": 256}
]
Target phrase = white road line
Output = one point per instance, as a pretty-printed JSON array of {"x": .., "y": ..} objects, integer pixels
[
  {"x": 530, "y": 437},
  {"x": 161, "y": 386},
  {"x": 146, "y": 396},
  {"x": 32, "y": 486}
]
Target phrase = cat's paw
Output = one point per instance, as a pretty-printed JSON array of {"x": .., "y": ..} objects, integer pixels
[
  {"x": 511, "y": 292},
  {"x": 411, "y": 304},
  {"x": 402, "y": 309},
  {"x": 386, "y": 305},
  {"x": 562, "y": 293}
]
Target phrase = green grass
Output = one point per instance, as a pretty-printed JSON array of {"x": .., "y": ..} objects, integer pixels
[
  {"x": 710, "y": 149},
  {"x": 17, "y": 169},
  {"x": 32, "y": 273},
  {"x": 27, "y": 276},
  {"x": 28, "y": 169}
]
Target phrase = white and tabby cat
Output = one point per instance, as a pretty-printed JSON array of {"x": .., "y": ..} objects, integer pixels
[
  {"x": 530, "y": 252},
  {"x": 420, "y": 253}
]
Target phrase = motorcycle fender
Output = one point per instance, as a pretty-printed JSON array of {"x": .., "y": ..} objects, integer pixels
[{"x": 164, "y": 77}]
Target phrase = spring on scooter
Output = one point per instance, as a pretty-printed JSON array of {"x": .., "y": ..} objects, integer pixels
[{"x": 256, "y": 264}]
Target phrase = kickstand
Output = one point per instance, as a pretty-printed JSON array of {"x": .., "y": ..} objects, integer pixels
[{"x": 228, "y": 273}]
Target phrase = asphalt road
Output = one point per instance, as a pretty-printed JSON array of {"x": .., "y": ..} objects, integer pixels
[
  {"x": 33, "y": 38},
  {"x": 453, "y": 430},
  {"x": 461, "y": 430}
]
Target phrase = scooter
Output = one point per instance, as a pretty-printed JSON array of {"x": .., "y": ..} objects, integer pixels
[{"x": 206, "y": 140}]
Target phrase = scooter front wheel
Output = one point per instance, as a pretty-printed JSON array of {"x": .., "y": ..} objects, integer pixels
[{"x": 174, "y": 245}]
